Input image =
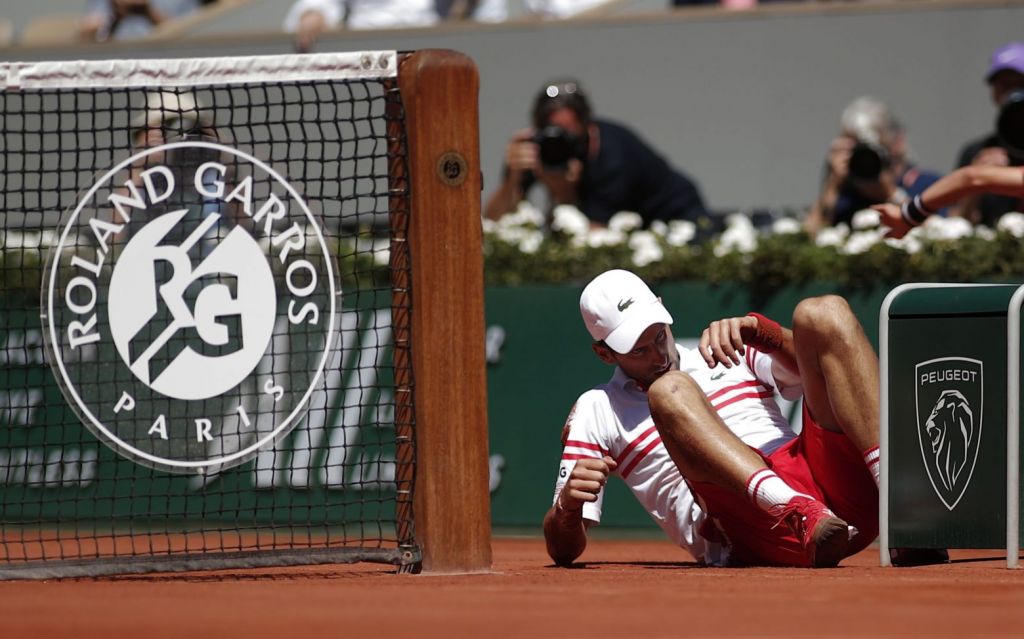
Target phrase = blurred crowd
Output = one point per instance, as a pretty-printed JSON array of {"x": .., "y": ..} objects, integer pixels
[
  {"x": 105, "y": 20},
  {"x": 568, "y": 153},
  {"x": 575, "y": 157}
]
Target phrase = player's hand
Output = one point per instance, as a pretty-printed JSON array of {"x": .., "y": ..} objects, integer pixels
[
  {"x": 892, "y": 218},
  {"x": 723, "y": 341},
  {"x": 586, "y": 480}
]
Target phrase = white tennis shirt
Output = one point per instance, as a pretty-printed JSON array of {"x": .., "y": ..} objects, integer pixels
[{"x": 614, "y": 419}]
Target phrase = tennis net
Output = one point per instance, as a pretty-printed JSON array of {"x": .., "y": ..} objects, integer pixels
[{"x": 205, "y": 314}]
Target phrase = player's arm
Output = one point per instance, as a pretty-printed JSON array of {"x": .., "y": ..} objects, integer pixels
[
  {"x": 968, "y": 180},
  {"x": 565, "y": 528},
  {"x": 724, "y": 341}
]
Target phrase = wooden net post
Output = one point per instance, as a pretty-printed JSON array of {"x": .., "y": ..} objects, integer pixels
[{"x": 451, "y": 499}]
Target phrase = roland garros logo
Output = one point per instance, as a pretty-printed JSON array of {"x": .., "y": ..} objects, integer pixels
[{"x": 180, "y": 279}]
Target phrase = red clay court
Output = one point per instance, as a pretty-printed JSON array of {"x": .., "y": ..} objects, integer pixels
[{"x": 626, "y": 588}]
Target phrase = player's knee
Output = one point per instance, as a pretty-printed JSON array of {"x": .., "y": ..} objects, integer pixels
[
  {"x": 672, "y": 392},
  {"x": 828, "y": 316}
]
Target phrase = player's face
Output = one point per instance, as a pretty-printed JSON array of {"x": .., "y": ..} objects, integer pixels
[{"x": 653, "y": 355}]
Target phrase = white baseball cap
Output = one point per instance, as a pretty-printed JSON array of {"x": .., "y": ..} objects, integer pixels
[{"x": 617, "y": 307}]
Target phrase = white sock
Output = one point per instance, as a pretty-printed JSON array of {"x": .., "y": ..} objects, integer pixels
[
  {"x": 770, "y": 492},
  {"x": 872, "y": 460}
]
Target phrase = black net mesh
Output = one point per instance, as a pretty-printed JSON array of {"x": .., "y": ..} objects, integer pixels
[{"x": 200, "y": 293}]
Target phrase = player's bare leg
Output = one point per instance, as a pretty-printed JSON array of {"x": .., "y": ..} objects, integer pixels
[
  {"x": 705, "y": 450},
  {"x": 840, "y": 374},
  {"x": 839, "y": 369},
  {"x": 699, "y": 442}
]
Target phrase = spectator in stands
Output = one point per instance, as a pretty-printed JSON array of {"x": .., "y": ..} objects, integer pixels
[
  {"x": 559, "y": 9},
  {"x": 169, "y": 116},
  {"x": 307, "y": 19},
  {"x": 867, "y": 164},
  {"x": 1005, "y": 76},
  {"x": 734, "y": 5},
  {"x": 179, "y": 116},
  {"x": 124, "y": 19},
  {"x": 597, "y": 165}
]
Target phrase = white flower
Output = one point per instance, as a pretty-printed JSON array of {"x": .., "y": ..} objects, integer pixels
[
  {"x": 946, "y": 228},
  {"x": 569, "y": 220},
  {"x": 786, "y": 226},
  {"x": 531, "y": 241},
  {"x": 861, "y": 241},
  {"x": 1012, "y": 223},
  {"x": 646, "y": 248},
  {"x": 985, "y": 233},
  {"x": 832, "y": 235},
  {"x": 865, "y": 219},
  {"x": 33, "y": 240},
  {"x": 642, "y": 238},
  {"x": 17, "y": 240},
  {"x": 525, "y": 214},
  {"x": 605, "y": 237},
  {"x": 381, "y": 249},
  {"x": 659, "y": 228},
  {"x": 49, "y": 238},
  {"x": 908, "y": 243},
  {"x": 625, "y": 221},
  {"x": 738, "y": 237},
  {"x": 489, "y": 225},
  {"x": 511, "y": 234},
  {"x": 680, "y": 232},
  {"x": 738, "y": 220},
  {"x": 646, "y": 255}
]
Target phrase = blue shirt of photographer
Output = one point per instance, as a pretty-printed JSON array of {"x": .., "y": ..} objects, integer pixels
[{"x": 913, "y": 181}]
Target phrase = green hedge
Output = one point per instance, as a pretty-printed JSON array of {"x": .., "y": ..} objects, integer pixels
[
  {"x": 517, "y": 251},
  {"x": 943, "y": 250}
]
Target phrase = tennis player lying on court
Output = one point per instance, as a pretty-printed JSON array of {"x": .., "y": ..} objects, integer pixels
[
  {"x": 968, "y": 180},
  {"x": 702, "y": 444}
]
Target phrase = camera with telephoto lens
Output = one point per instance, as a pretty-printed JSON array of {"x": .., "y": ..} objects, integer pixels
[
  {"x": 868, "y": 160},
  {"x": 558, "y": 146},
  {"x": 869, "y": 156},
  {"x": 1010, "y": 122}
]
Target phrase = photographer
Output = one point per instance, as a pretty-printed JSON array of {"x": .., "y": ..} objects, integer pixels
[
  {"x": 867, "y": 164},
  {"x": 974, "y": 181},
  {"x": 1005, "y": 79},
  {"x": 599, "y": 166}
]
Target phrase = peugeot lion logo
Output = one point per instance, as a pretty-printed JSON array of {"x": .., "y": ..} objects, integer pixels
[
  {"x": 190, "y": 306},
  {"x": 949, "y": 419}
]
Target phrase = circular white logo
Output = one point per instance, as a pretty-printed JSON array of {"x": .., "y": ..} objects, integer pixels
[{"x": 190, "y": 303}]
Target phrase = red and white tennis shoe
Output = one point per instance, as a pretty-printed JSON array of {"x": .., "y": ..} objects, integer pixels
[{"x": 825, "y": 537}]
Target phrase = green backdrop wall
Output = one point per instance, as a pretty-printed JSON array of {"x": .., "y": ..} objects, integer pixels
[{"x": 539, "y": 361}]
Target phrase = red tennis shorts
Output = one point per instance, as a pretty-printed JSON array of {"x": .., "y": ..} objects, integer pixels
[{"x": 821, "y": 463}]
